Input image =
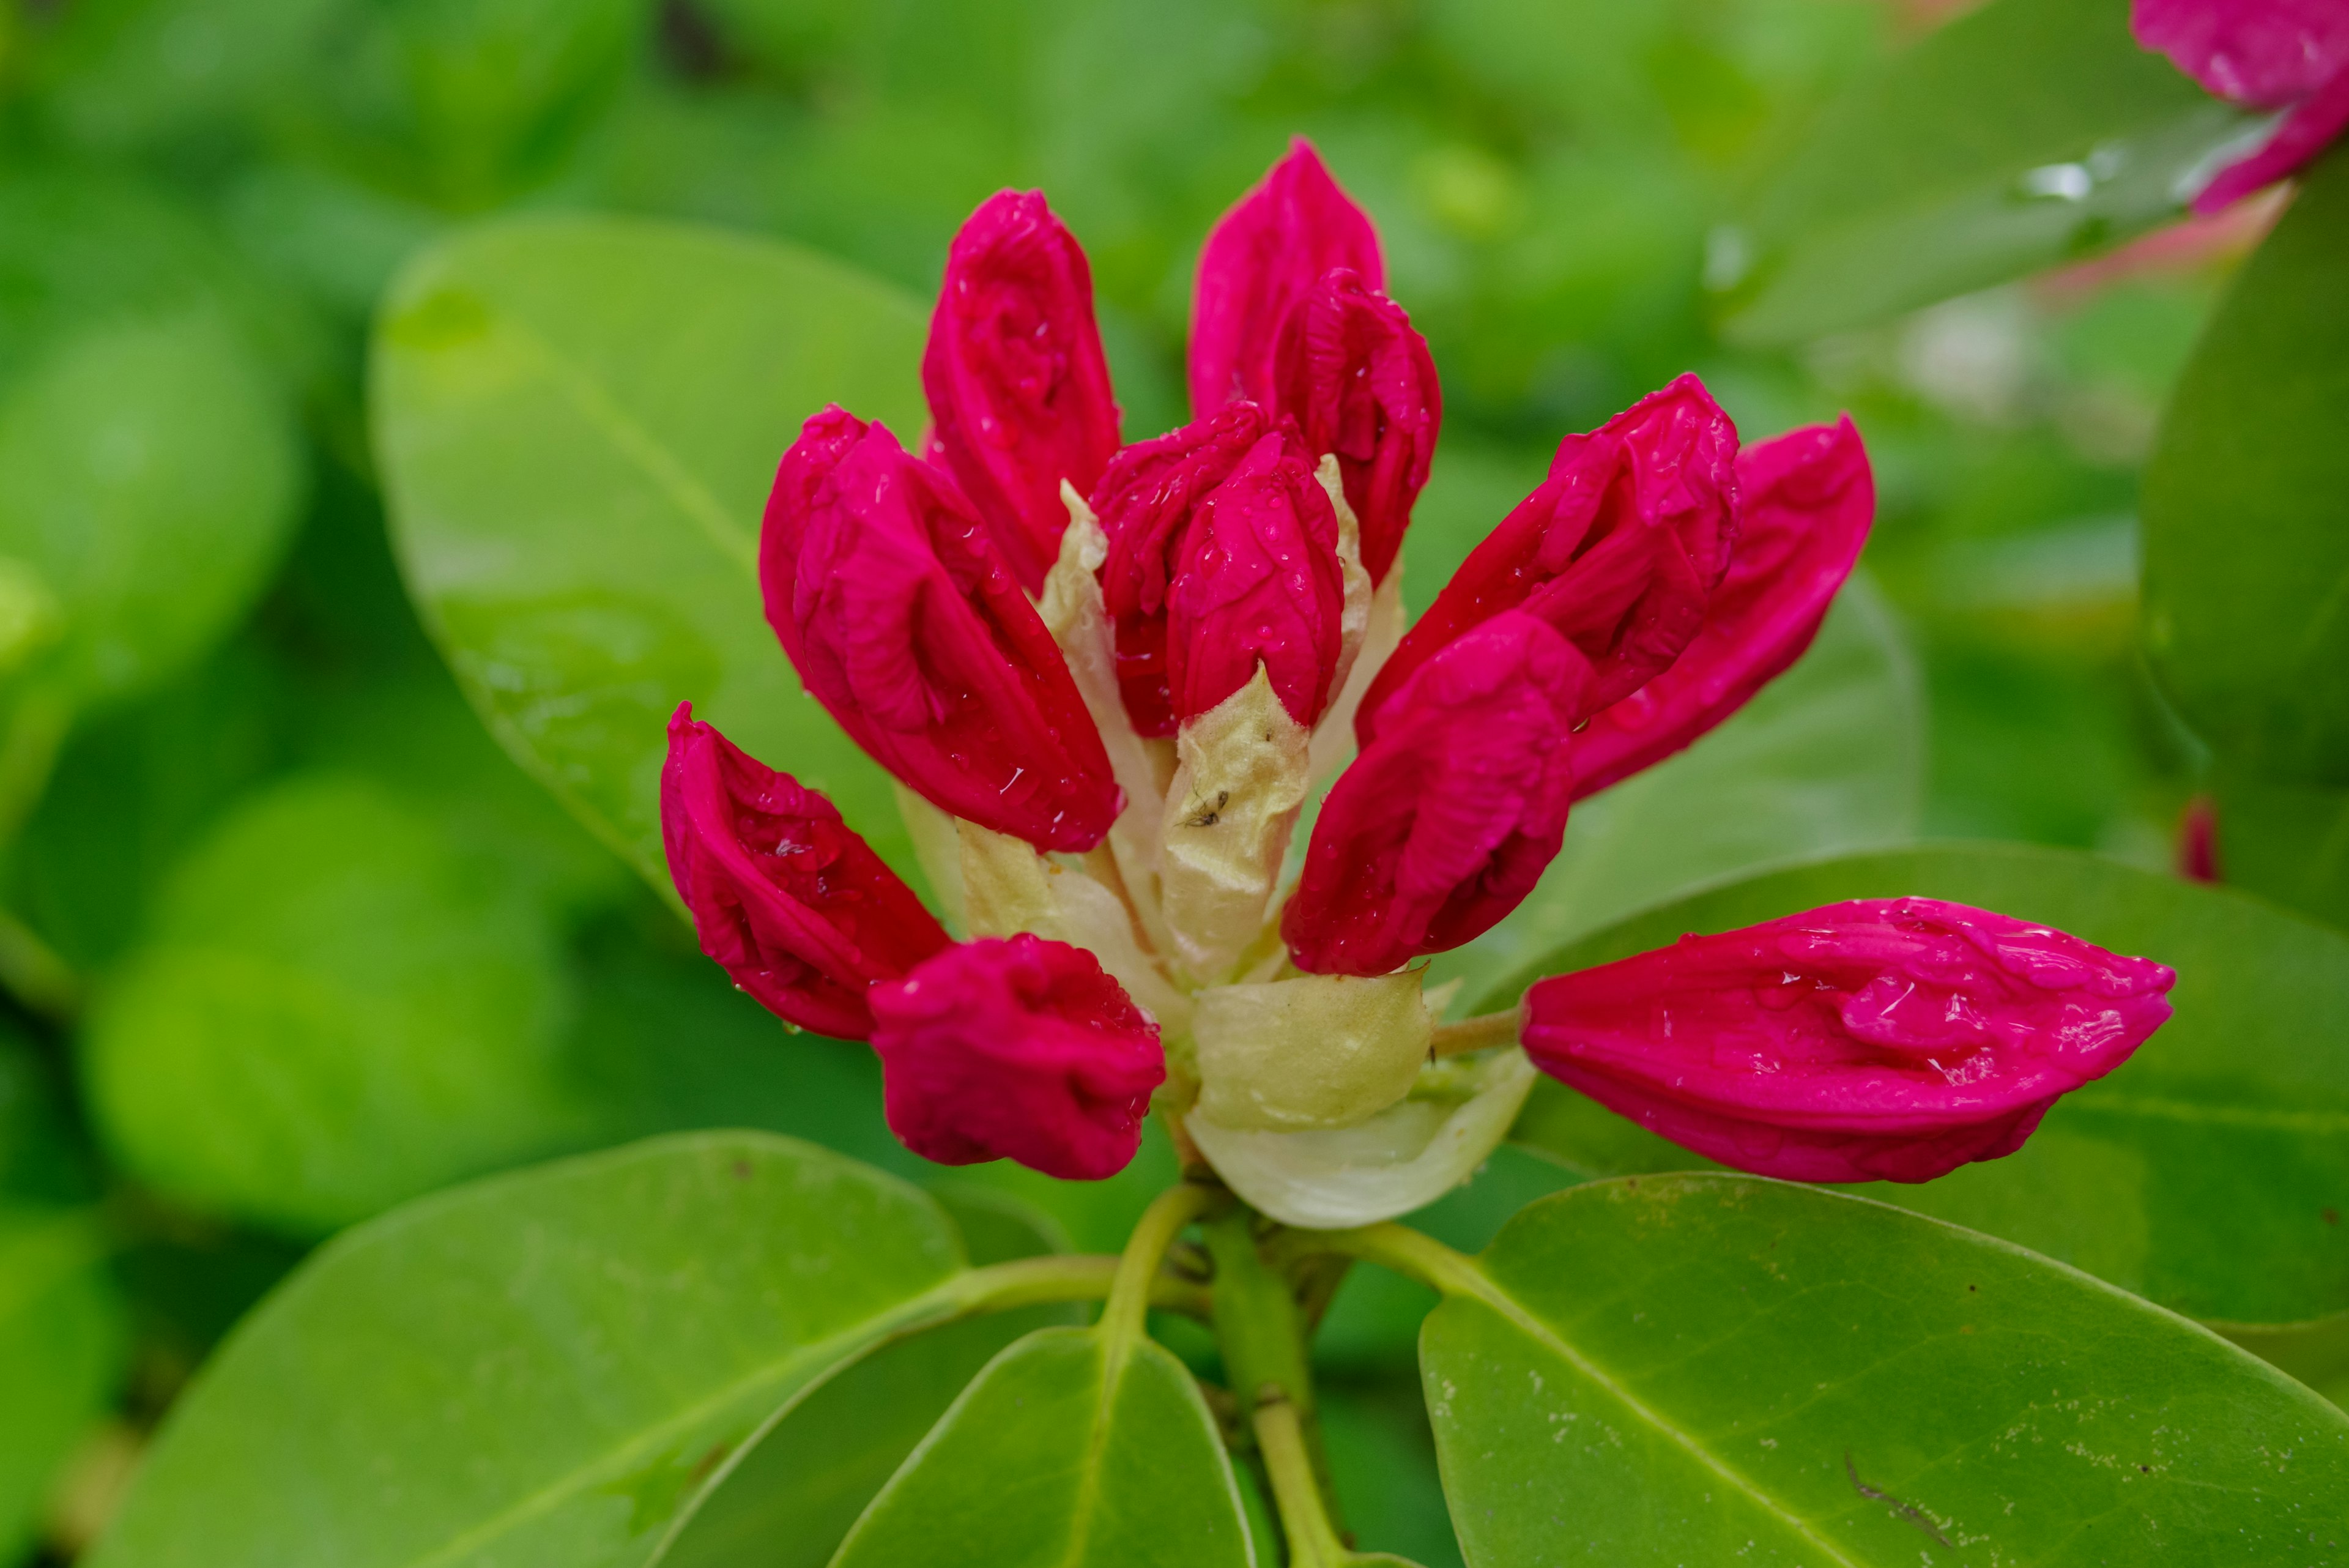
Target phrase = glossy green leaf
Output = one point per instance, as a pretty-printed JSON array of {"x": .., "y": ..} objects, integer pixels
[
  {"x": 2247, "y": 507},
  {"x": 540, "y": 1368},
  {"x": 1717, "y": 1369},
  {"x": 578, "y": 420},
  {"x": 62, "y": 1347},
  {"x": 2024, "y": 134},
  {"x": 1830, "y": 756},
  {"x": 2208, "y": 1172},
  {"x": 336, "y": 1010},
  {"x": 1071, "y": 1450}
]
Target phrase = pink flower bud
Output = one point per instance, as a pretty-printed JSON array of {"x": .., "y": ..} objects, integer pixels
[
  {"x": 902, "y": 621},
  {"x": 1805, "y": 502},
  {"x": 1445, "y": 823},
  {"x": 2290, "y": 55},
  {"x": 1145, "y": 502},
  {"x": 1260, "y": 259},
  {"x": 1616, "y": 550},
  {"x": 786, "y": 897},
  {"x": 1360, "y": 384},
  {"x": 1018, "y": 386},
  {"x": 1021, "y": 1049},
  {"x": 2198, "y": 841},
  {"x": 1881, "y": 1040}
]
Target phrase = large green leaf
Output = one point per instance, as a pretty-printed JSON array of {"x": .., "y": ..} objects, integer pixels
[
  {"x": 541, "y": 1368},
  {"x": 1074, "y": 1448},
  {"x": 2029, "y": 132},
  {"x": 61, "y": 1349},
  {"x": 2289, "y": 842},
  {"x": 578, "y": 420},
  {"x": 2247, "y": 507},
  {"x": 2208, "y": 1172},
  {"x": 1830, "y": 756},
  {"x": 337, "y": 1010},
  {"x": 1714, "y": 1369}
]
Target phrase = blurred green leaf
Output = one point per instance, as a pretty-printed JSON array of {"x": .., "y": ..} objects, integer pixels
[
  {"x": 542, "y": 1367},
  {"x": 1383, "y": 1458},
  {"x": 61, "y": 1353},
  {"x": 2286, "y": 842},
  {"x": 1830, "y": 756},
  {"x": 2246, "y": 550},
  {"x": 335, "y": 1010},
  {"x": 2027, "y": 133},
  {"x": 578, "y": 421},
  {"x": 2209, "y": 1172},
  {"x": 1074, "y": 1448},
  {"x": 1717, "y": 1369}
]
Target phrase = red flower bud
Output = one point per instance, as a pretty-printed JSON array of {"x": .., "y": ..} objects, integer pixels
[
  {"x": 1881, "y": 1040},
  {"x": 902, "y": 621},
  {"x": 1616, "y": 550},
  {"x": 786, "y": 897},
  {"x": 1258, "y": 262},
  {"x": 1445, "y": 822},
  {"x": 1145, "y": 502},
  {"x": 1021, "y": 1049},
  {"x": 1805, "y": 502},
  {"x": 1018, "y": 386},
  {"x": 1360, "y": 384}
]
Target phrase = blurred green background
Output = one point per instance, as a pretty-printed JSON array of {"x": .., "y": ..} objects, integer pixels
[{"x": 250, "y": 822}]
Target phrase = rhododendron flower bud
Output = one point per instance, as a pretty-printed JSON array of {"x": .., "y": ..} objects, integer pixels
[
  {"x": 2289, "y": 55},
  {"x": 786, "y": 897},
  {"x": 1145, "y": 502},
  {"x": 1888, "y": 1039},
  {"x": 1017, "y": 381},
  {"x": 1259, "y": 583},
  {"x": 903, "y": 621},
  {"x": 1018, "y": 1049},
  {"x": 1360, "y": 384},
  {"x": 1805, "y": 502},
  {"x": 1259, "y": 261},
  {"x": 1445, "y": 822},
  {"x": 1617, "y": 550}
]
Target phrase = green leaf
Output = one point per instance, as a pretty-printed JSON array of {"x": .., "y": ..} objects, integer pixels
[
  {"x": 2247, "y": 507},
  {"x": 1715, "y": 1370},
  {"x": 61, "y": 1350},
  {"x": 578, "y": 420},
  {"x": 2027, "y": 133},
  {"x": 1073, "y": 1448},
  {"x": 2208, "y": 1172},
  {"x": 2288, "y": 842},
  {"x": 338, "y": 1009},
  {"x": 539, "y": 1368},
  {"x": 1830, "y": 756}
]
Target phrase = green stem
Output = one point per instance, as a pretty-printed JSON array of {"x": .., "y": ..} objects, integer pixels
[
  {"x": 1479, "y": 1033},
  {"x": 1262, "y": 1339},
  {"x": 1078, "y": 1277},
  {"x": 1280, "y": 1437},
  {"x": 1406, "y": 1251},
  {"x": 1132, "y": 1286}
]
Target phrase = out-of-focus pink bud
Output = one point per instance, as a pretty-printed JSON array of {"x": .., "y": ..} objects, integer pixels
[
  {"x": 2288, "y": 55},
  {"x": 1275, "y": 244},
  {"x": 1805, "y": 502},
  {"x": 1616, "y": 550},
  {"x": 1881, "y": 1040},
  {"x": 1445, "y": 823},
  {"x": 1018, "y": 1049},
  {"x": 2198, "y": 841},
  {"x": 1018, "y": 386},
  {"x": 903, "y": 621},
  {"x": 1145, "y": 502},
  {"x": 1259, "y": 584},
  {"x": 1360, "y": 384},
  {"x": 786, "y": 897}
]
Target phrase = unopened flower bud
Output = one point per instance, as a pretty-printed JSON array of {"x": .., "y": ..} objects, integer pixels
[
  {"x": 1018, "y": 386},
  {"x": 1616, "y": 550},
  {"x": 1020, "y": 1049},
  {"x": 1890, "y": 1039},
  {"x": 1805, "y": 502},
  {"x": 1361, "y": 385},
  {"x": 788, "y": 900},
  {"x": 1446, "y": 820},
  {"x": 1258, "y": 262},
  {"x": 902, "y": 621}
]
